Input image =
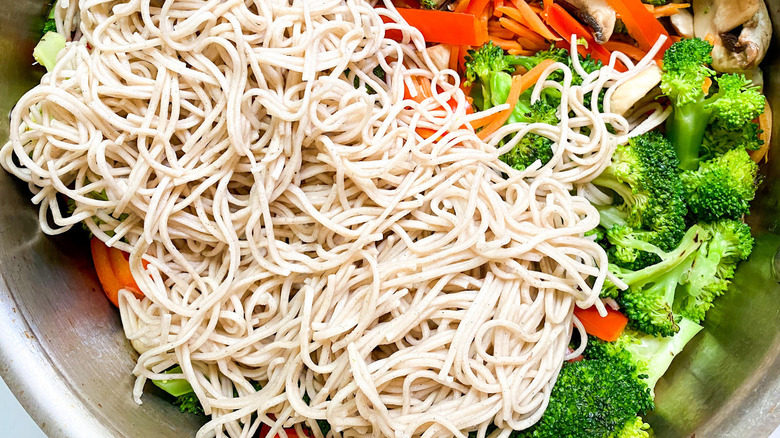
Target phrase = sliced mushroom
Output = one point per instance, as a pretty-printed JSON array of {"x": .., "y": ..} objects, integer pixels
[
  {"x": 598, "y": 15},
  {"x": 683, "y": 23},
  {"x": 633, "y": 90},
  {"x": 734, "y": 52}
]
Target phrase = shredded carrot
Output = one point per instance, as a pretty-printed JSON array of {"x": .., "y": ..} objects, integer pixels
[
  {"x": 497, "y": 4},
  {"x": 484, "y": 121},
  {"x": 506, "y": 44},
  {"x": 514, "y": 14},
  {"x": 461, "y": 6},
  {"x": 710, "y": 38},
  {"x": 633, "y": 52},
  {"x": 496, "y": 30},
  {"x": 532, "y": 77},
  {"x": 521, "y": 31},
  {"x": 501, "y": 117},
  {"x": 765, "y": 124},
  {"x": 669, "y": 10},
  {"x": 520, "y": 83},
  {"x": 706, "y": 85},
  {"x": 476, "y": 7},
  {"x": 534, "y": 22},
  {"x": 537, "y": 9},
  {"x": 104, "y": 270},
  {"x": 521, "y": 52}
]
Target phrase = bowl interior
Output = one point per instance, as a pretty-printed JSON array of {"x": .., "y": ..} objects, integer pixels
[{"x": 64, "y": 354}]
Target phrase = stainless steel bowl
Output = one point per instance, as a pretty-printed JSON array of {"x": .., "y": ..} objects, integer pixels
[{"x": 63, "y": 353}]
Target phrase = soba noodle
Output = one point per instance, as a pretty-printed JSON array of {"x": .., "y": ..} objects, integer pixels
[{"x": 299, "y": 233}]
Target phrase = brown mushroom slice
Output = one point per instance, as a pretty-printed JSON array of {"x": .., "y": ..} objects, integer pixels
[
  {"x": 598, "y": 15},
  {"x": 627, "y": 94},
  {"x": 732, "y": 52}
]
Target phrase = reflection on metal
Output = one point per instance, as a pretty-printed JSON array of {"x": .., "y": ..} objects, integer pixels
[{"x": 64, "y": 355}]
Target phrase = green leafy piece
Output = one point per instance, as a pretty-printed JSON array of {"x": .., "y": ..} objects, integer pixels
[
  {"x": 174, "y": 387},
  {"x": 48, "y": 48}
]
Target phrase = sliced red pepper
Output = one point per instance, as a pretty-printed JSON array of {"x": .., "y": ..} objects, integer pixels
[
  {"x": 640, "y": 23},
  {"x": 442, "y": 26},
  {"x": 607, "y": 328},
  {"x": 566, "y": 26}
]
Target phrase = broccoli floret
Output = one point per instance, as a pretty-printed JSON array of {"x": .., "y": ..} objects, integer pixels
[
  {"x": 50, "y": 25},
  {"x": 532, "y": 146},
  {"x": 189, "y": 403},
  {"x": 651, "y": 355},
  {"x": 644, "y": 174},
  {"x": 656, "y": 2},
  {"x": 721, "y": 188},
  {"x": 736, "y": 103},
  {"x": 687, "y": 280},
  {"x": 630, "y": 248},
  {"x": 719, "y": 139},
  {"x": 636, "y": 428},
  {"x": 594, "y": 398}
]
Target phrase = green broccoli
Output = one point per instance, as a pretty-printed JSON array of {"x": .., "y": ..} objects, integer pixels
[
  {"x": 736, "y": 103},
  {"x": 687, "y": 280},
  {"x": 532, "y": 147},
  {"x": 636, "y": 428},
  {"x": 50, "y": 25},
  {"x": 719, "y": 139},
  {"x": 598, "y": 398},
  {"x": 721, "y": 188},
  {"x": 189, "y": 403},
  {"x": 651, "y": 355},
  {"x": 644, "y": 175},
  {"x": 47, "y": 49}
]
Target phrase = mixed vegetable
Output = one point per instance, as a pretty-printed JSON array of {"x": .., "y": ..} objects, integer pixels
[{"x": 675, "y": 232}]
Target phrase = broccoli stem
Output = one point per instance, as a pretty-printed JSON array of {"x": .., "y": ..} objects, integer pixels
[{"x": 685, "y": 128}]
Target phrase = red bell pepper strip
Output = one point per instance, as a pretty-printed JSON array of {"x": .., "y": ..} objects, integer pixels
[
  {"x": 607, "y": 328},
  {"x": 442, "y": 26},
  {"x": 566, "y": 26},
  {"x": 640, "y": 23}
]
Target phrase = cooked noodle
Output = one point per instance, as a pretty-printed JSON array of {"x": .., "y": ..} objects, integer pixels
[{"x": 299, "y": 233}]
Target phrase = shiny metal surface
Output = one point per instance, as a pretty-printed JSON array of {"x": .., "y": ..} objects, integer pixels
[{"x": 63, "y": 353}]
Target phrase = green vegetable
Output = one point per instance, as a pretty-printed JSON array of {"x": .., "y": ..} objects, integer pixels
[
  {"x": 50, "y": 25},
  {"x": 651, "y": 355},
  {"x": 656, "y": 2},
  {"x": 48, "y": 48},
  {"x": 595, "y": 398},
  {"x": 533, "y": 147},
  {"x": 189, "y": 403},
  {"x": 687, "y": 280},
  {"x": 652, "y": 213},
  {"x": 174, "y": 387},
  {"x": 735, "y": 104},
  {"x": 721, "y": 188}
]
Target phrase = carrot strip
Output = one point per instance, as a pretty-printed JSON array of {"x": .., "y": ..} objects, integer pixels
[
  {"x": 706, "y": 85},
  {"x": 453, "y": 63},
  {"x": 530, "y": 79},
  {"x": 514, "y": 14},
  {"x": 521, "y": 52},
  {"x": 507, "y": 44},
  {"x": 607, "y": 328},
  {"x": 476, "y": 7},
  {"x": 501, "y": 117},
  {"x": 765, "y": 124},
  {"x": 497, "y": 4},
  {"x": 461, "y": 6},
  {"x": 632, "y": 51},
  {"x": 521, "y": 31},
  {"x": 121, "y": 268},
  {"x": 669, "y": 10},
  {"x": 105, "y": 272},
  {"x": 496, "y": 30},
  {"x": 534, "y": 22},
  {"x": 640, "y": 22}
]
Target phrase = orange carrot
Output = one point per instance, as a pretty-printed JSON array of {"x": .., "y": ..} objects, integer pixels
[
  {"x": 476, "y": 7},
  {"x": 710, "y": 38},
  {"x": 495, "y": 30},
  {"x": 765, "y": 124},
  {"x": 530, "y": 79},
  {"x": 607, "y": 328},
  {"x": 105, "y": 272},
  {"x": 632, "y": 51},
  {"x": 641, "y": 24},
  {"x": 506, "y": 44},
  {"x": 497, "y": 4},
  {"x": 521, "y": 52},
  {"x": 669, "y": 10},
  {"x": 534, "y": 22},
  {"x": 461, "y": 6},
  {"x": 706, "y": 85},
  {"x": 501, "y": 117},
  {"x": 521, "y": 31},
  {"x": 454, "y": 52}
]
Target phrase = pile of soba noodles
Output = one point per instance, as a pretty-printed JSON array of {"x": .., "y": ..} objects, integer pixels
[{"x": 291, "y": 229}]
